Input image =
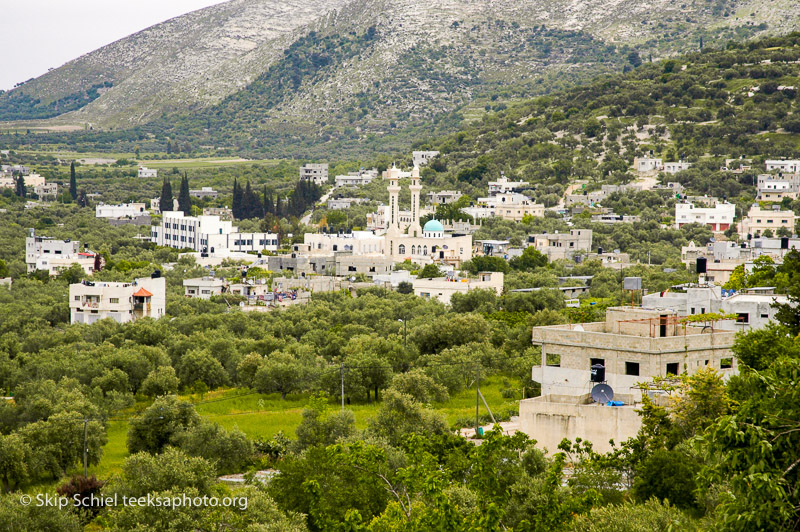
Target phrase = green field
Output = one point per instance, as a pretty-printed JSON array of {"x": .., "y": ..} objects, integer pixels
[{"x": 263, "y": 415}]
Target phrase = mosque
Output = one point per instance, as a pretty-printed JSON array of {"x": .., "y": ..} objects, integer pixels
[{"x": 421, "y": 245}]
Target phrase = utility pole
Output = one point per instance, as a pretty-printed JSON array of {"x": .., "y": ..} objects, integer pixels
[
  {"x": 477, "y": 397},
  {"x": 85, "y": 449},
  {"x": 341, "y": 369}
]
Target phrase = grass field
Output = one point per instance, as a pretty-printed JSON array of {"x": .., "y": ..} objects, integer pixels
[{"x": 263, "y": 415}]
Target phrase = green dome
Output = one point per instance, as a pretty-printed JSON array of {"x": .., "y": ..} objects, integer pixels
[{"x": 433, "y": 226}]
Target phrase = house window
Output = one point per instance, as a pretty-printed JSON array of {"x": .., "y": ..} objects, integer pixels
[
  {"x": 672, "y": 368},
  {"x": 401, "y": 249},
  {"x": 765, "y": 316},
  {"x": 632, "y": 368},
  {"x": 743, "y": 317},
  {"x": 725, "y": 363},
  {"x": 77, "y": 298},
  {"x": 593, "y": 361},
  {"x": 113, "y": 300}
]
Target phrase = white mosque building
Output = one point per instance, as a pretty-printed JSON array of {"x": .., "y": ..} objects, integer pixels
[{"x": 422, "y": 245}]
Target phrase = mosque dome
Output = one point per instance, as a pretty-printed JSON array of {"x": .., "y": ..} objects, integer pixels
[{"x": 433, "y": 226}]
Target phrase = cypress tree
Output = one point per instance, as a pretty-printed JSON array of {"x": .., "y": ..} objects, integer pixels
[
  {"x": 251, "y": 203},
  {"x": 73, "y": 182},
  {"x": 184, "y": 199},
  {"x": 20, "y": 187},
  {"x": 165, "y": 202},
  {"x": 237, "y": 200},
  {"x": 83, "y": 201}
]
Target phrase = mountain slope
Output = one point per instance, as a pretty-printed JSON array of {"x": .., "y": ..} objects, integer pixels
[{"x": 261, "y": 76}]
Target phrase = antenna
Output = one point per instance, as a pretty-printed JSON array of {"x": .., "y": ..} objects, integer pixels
[{"x": 602, "y": 393}]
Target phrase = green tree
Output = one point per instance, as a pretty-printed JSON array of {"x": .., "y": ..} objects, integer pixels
[
  {"x": 320, "y": 427},
  {"x": 201, "y": 366},
  {"x": 400, "y": 416},
  {"x": 165, "y": 202},
  {"x": 57, "y": 442},
  {"x": 73, "y": 182},
  {"x": 156, "y": 427},
  {"x": 229, "y": 450},
  {"x": 15, "y": 454},
  {"x": 160, "y": 381},
  {"x": 184, "y": 198},
  {"x": 280, "y": 372},
  {"x": 530, "y": 260}
]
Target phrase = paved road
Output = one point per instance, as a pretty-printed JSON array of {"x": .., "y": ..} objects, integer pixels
[{"x": 306, "y": 219}]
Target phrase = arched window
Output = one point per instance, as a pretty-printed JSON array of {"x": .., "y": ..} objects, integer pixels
[
  {"x": 413, "y": 250},
  {"x": 401, "y": 249},
  {"x": 425, "y": 250}
]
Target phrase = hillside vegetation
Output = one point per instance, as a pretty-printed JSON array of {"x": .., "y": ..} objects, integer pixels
[{"x": 358, "y": 76}]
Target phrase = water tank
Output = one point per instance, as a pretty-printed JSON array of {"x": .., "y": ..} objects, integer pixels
[
  {"x": 598, "y": 373},
  {"x": 701, "y": 265}
]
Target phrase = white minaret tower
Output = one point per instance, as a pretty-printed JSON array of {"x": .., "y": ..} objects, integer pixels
[
  {"x": 414, "y": 228},
  {"x": 393, "y": 174}
]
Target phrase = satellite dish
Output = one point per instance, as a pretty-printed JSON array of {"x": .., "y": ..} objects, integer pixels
[{"x": 602, "y": 393}]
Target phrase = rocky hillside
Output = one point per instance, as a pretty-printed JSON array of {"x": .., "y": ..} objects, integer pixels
[{"x": 294, "y": 78}]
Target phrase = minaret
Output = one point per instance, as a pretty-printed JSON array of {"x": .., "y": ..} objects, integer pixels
[
  {"x": 414, "y": 228},
  {"x": 394, "y": 201}
]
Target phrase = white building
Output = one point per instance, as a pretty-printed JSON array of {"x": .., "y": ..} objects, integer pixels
[
  {"x": 54, "y": 256},
  {"x": 123, "y": 210},
  {"x": 208, "y": 234},
  {"x": 122, "y": 302},
  {"x": 338, "y": 204},
  {"x": 421, "y": 158},
  {"x": 783, "y": 166},
  {"x": 759, "y": 220},
  {"x": 754, "y": 308},
  {"x": 718, "y": 218},
  {"x": 316, "y": 173},
  {"x": 204, "y": 287},
  {"x": 443, "y": 197},
  {"x": 204, "y": 192},
  {"x": 443, "y": 288},
  {"x": 46, "y": 190},
  {"x": 675, "y": 167},
  {"x": 562, "y": 245},
  {"x": 357, "y": 242},
  {"x": 506, "y": 205},
  {"x": 355, "y": 179},
  {"x": 503, "y": 185},
  {"x": 31, "y": 181},
  {"x": 147, "y": 172},
  {"x": 775, "y": 188},
  {"x": 645, "y": 165},
  {"x": 155, "y": 205}
]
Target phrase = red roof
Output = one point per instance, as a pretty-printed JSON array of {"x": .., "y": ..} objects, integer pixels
[{"x": 142, "y": 293}]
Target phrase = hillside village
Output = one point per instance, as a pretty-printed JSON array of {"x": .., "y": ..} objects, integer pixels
[{"x": 580, "y": 311}]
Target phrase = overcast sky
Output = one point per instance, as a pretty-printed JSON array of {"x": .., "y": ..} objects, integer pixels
[{"x": 36, "y": 35}]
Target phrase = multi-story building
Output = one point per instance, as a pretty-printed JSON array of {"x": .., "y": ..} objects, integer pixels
[
  {"x": 204, "y": 287},
  {"x": 719, "y": 217},
  {"x": 225, "y": 213},
  {"x": 123, "y": 210},
  {"x": 504, "y": 185},
  {"x": 204, "y": 192},
  {"x": 508, "y": 206},
  {"x": 355, "y": 179},
  {"x": 754, "y": 307},
  {"x": 122, "y": 302},
  {"x": 155, "y": 205},
  {"x": 783, "y": 166},
  {"x": 147, "y": 172},
  {"x": 48, "y": 190},
  {"x": 776, "y": 187},
  {"x": 54, "y": 256},
  {"x": 760, "y": 220},
  {"x": 315, "y": 173},
  {"x": 31, "y": 181},
  {"x": 421, "y": 158},
  {"x": 562, "y": 245},
  {"x": 208, "y": 234},
  {"x": 632, "y": 345},
  {"x": 357, "y": 242},
  {"x": 443, "y": 197}
]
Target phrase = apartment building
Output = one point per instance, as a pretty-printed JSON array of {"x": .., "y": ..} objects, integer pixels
[
  {"x": 421, "y": 158},
  {"x": 54, "y": 256},
  {"x": 719, "y": 217},
  {"x": 122, "y": 302},
  {"x": 315, "y": 173},
  {"x": 147, "y": 172},
  {"x": 760, "y": 220},
  {"x": 123, "y": 210},
  {"x": 443, "y": 288},
  {"x": 208, "y": 234},
  {"x": 562, "y": 245}
]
